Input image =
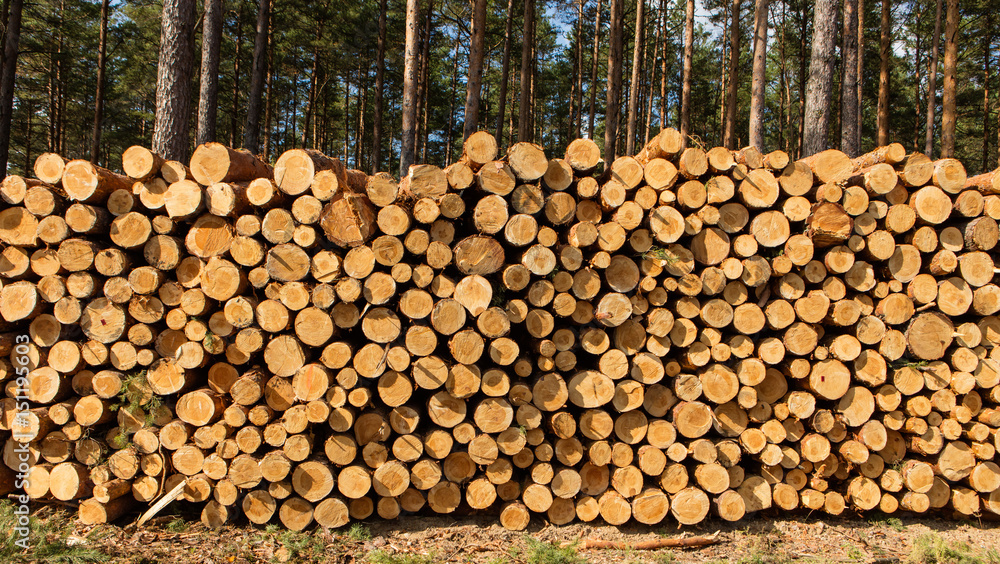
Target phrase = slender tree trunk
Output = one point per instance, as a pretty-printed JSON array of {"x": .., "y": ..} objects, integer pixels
[
  {"x": 849, "y": 83},
  {"x": 633, "y": 89},
  {"x": 269, "y": 93},
  {"x": 932, "y": 82},
  {"x": 593, "y": 71},
  {"x": 785, "y": 110},
  {"x": 421, "y": 134},
  {"x": 860, "y": 74},
  {"x": 251, "y": 134},
  {"x": 29, "y": 107},
  {"x": 407, "y": 154},
  {"x": 475, "y": 82},
  {"x": 949, "y": 92},
  {"x": 613, "y": 109},
  {"x": 313, "y": 85},
  {"x": 987, "y": 41},
  {"x": 663, "y": 70},
  {"x": 504, "y": 73},
  {"x": 451, "y": 107},
  {"x": 524, "y": 129},
  {"x": 885, "y": 43},
  {"x": 379, "y": 72},
  {"x": 359, "y": 136},
  {"x": 820, "y": 78},
  {"x": 208, "y": 95},
  {"x": 686, "y": 84},
  {"x": 60, "y": 93},
  {"x": 759, "y": 82},
  {"x": 658, "y": 49},
  {"x": 102, "y": 51},
  {"x": 803, "y": 78},
  {"x": 173, "y": 96},
  {"x": 918, "y": 110},
  {"x": 347, "y": 117},
  {"x": 234, "y": 118},
  {"x": 732, "y": 89},
  {"x": 578, "y": 116}
]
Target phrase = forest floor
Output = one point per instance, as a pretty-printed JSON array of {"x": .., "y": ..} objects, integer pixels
[{"x": 881, "y": 539}]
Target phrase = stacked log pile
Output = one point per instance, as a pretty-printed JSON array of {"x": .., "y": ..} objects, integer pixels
[{"x": 674, "y": 335}]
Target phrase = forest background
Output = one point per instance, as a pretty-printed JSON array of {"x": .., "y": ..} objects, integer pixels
[{"x": 384, "y": 83}]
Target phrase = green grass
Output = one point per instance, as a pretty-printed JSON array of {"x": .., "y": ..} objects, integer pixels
[
  {"x": 383, "y": 557},
  {"x": 301, "y": 546},
  {"x": 177, "y": 525},
  {"x": 46, "y": 538},
  {"x": 932, "y": 549},
  {"x": 358, "y": 532},
  {"x": 663, "y": 557},
  {"x": 539, "y": 552}
]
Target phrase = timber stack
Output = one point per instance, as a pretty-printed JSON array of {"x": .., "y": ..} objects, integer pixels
[{"x": 674, "y": 335}]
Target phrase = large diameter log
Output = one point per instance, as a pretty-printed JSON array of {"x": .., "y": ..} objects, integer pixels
[
  {"x": 214, "y": 162},
  {"x": 479, "y": 254},
  {"x": 830, "y": 166},
  {"x": 987, "y": 183},
  {"x": 296, "y": 169},
  {"x": 349, "y": 221},
  {"x": 929, "y": 335},
  {"x": 91, "y": 184},
  {"x": 828, "y": 224},
  {"x": 139, "y": 163}
]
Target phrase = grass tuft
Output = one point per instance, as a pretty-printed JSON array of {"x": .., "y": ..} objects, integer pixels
[
  {"x": 539, "y": 552},
  {"x": 932, "y": 549},
  {"x": 382, "y": 557},
  {"x": 46, "y": 538}
]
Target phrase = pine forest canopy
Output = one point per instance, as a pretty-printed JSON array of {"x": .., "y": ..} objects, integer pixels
[{"x": 335, "y": 76}]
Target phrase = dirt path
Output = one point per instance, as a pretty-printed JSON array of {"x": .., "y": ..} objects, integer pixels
[{"x": 425, "y": 540}]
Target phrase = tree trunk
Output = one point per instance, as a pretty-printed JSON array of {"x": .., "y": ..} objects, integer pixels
[
  {"x": 102, "y": 51},
  {"x": 11, "y": 41},
  {"x": 269, "y": 93},
  {"x": 849, "y": 84},
  {"x": 593, "y": 71},
  {"x": 475, "y": 82},
  {"x": 732, "y": 89},
  {"x": 987, "y": 40},
  {"x": 251, "y": 134},
  {"x": 173, "y": 98},
  {"x": 524, "y": 129},
  {"x": 233, "y": 118},
  {"x": 885, "y": 43},
  {"x": 817, "y": 111},
  {"x": 932, "y": 83},
  {"x": 613, "y": 104},
  {"x": 686, "y": 83},
  {"x": 379, "y": 78},
  {"x": 633, "y": 89},
  {"x": 451, "y": 105},
  {"x": 420, "y": 137},
  {"x": 659, "y": 49},
  {"x": 663, "y": 72},
  {"x": 406, "y": 153},
  {"x": 803, "y": 42},
  {"x": 759, "y": 83},
  {"x": 950, "y": 86},
  {"x": 504, "y": 74},
  {"x": 860, "y": 72},
  {"x": 313, "y": 86},
  {"x": 208, "y": 96},
  {"x": 577, "y": 124}
]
